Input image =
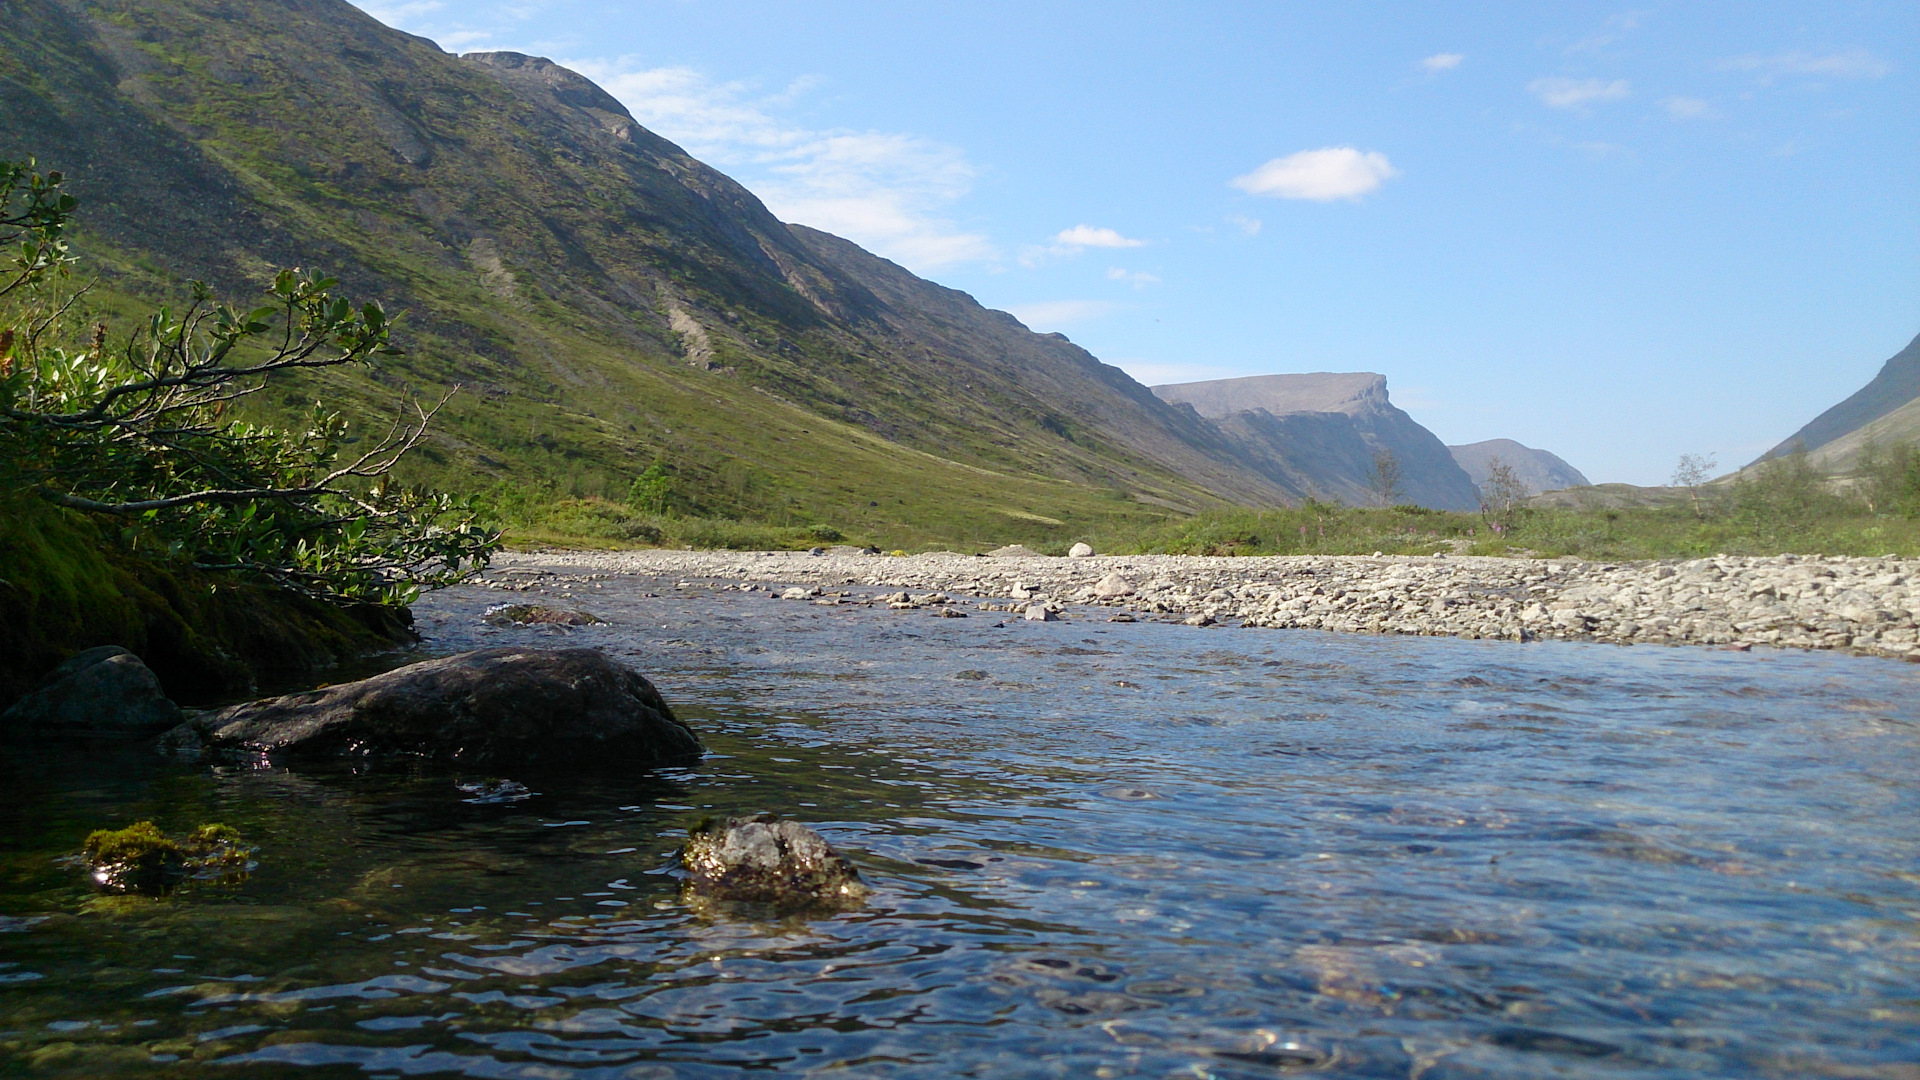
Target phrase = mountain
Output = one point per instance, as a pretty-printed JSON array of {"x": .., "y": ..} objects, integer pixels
[
  {"x": 1538, "y": 469},
  {"x": 604, "y": 300},
  {"x": 1886, "y": 410},
  {"x": 1319, "y": 434}
]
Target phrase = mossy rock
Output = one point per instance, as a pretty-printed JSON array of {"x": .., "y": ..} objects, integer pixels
[
  {"x": 142, "y": 859},
  {"x": 67, "y": 584}
]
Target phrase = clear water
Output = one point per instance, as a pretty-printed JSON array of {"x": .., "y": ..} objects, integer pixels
[{"x": 1098, "y": 850}]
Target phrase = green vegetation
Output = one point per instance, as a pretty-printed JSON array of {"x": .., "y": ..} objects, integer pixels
[
  {"x": 1782, "y": 506},
  {"x": 137, "y": 427},
  {"x": 140, "y": 858}
]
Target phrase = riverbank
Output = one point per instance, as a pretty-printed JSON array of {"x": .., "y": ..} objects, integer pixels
[{"x": 1864, "y": 605}]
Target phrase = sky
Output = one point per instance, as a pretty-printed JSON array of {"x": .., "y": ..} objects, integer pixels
[{"x": 1617, "y": 233}]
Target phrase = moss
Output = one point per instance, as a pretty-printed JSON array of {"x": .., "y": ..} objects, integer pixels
[
  {"x": 67, "y": 583},
  {"x": 140, "y": 845},
  {"x": 142, "y": 859}
]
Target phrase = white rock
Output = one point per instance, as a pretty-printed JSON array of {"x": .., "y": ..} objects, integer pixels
[
  {"x": 1039, "y": 613},
  {"x": 1080, "y": 551},
  {"x": 1111, "y": 586}
]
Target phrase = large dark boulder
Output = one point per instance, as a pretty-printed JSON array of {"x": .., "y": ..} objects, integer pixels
[
  {"x": 493, "y": 708},
  {"x": 760, "y": 860},
  {"x": 99, "y": 693}
]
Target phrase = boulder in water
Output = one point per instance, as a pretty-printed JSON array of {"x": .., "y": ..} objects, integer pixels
[
  {"x": 493, "y": 708},
  {"x": 104, "y": 692},
  {"x": 761, "y": 860}
]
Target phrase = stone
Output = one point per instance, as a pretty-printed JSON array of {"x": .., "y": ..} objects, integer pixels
[
  {"x": 1122, "y": 617},
  {"x": 1111, "y": 586},
  {"x": 1080, "y": 551},
  {"x": 1013, "y": 551},
  {"x": 105, "y": 692},
  {"x": 798, "y": 593},
  {"x": 537, "y": 615},
  {"x": 1199, "y": 620},
  {"x": 761, "y": 860},
  {"x": 1041, "y": 613},
  {"x": 493, "y": 708}
]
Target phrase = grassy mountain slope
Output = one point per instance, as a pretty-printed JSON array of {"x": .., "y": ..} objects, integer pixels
[
  {"x": 604, "y": 300},
  {"x": 1886, "y": 410}
]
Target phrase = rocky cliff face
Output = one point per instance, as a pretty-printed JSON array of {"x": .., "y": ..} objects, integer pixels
[
  {"x": 1319, "y": 435},
  {"x": 1539, "y": 470},
  {"x": 1886, "y": 410}
]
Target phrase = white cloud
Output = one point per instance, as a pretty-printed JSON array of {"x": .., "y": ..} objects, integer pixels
[
  {"x": 1690, "y": 108},
  {"x": 1445, "y": 61},
  {"x": 1088, "y": 236},
  {"x": 1853, "y": 64},
  {"x": 1563, "y": 93},
  {"x": 1047, "y": 315},
  {"x": 1335, "y": 172},
  {"x": 1139, "y": 279},
  {"x": 885, "y": 191}
]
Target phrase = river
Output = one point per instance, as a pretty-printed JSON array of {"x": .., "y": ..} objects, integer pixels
[{"x": 1097, "y": 850}]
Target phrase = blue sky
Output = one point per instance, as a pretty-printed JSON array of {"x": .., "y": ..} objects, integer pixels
[{"x": 1617, "y": 233}]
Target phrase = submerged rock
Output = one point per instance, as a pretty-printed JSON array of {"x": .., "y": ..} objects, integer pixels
[
  {"x": 760, "y": 860},
  {"x": 537, "y": 615},
  {"x": 525, "y": 708},
  {"x": 103, "y": 692}
]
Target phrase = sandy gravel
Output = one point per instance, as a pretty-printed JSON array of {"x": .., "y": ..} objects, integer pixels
[{"x": 1864, "y": 605}]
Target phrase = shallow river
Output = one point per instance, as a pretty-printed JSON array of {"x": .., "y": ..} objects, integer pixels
[{"x": 1097, "y": 849}]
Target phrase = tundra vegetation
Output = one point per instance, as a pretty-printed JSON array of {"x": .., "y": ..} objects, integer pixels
[{"x": 135, "y": 480}]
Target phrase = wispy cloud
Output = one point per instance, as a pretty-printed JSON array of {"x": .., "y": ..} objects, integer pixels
[
  {"x": 1070, "y": 242},
  {"x": 1445, "y": 61},
  {"x": 1563, "y": 93},
  {"x": 1690, "y": 108},
  {"x": 1852, "y": 64},
  {"x": 886, "y": 191},
  {"x": 1089, "y": 236},
  {"x": 1334, "y": 172},
  {"x": 1139, "y": 279},
  {"x": 1047, "y": 315},
  {"x": 1248, "y": 225}
]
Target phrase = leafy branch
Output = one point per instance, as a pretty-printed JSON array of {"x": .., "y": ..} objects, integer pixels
[{"x": 140, "y": 428}]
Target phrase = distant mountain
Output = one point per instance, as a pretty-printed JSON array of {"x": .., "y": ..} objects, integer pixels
[
  {"x": 604, "y": 300},
  {"x": 1538, "y": 469},
  {"x": 1319, "y": 434},
  {"x": 1886, "y": 410}
]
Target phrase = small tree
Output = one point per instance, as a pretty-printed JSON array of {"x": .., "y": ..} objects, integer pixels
[
  {"x": 651, "y": 490},
  {"x": 1385, "y": 479},
  {"x": 1888, "y": 478},
  {"x": 1693, "y": 471},
  {"x": 137, "y": 426},
  {"x": 1502, "y": 494}
]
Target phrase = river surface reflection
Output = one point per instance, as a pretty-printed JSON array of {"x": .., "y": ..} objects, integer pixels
[{"x": 1097, "y": 850}]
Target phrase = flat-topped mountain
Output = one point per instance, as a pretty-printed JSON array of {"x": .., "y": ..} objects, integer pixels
[
  {"x": 1886, "y": 410},
  {"x": 1539, "y": 470},
  {"x": 1319, "y": 435}
]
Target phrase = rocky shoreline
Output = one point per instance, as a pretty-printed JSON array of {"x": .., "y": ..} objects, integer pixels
[
  {"x": 1805, "y": 602},
  {"x": 1863, "y": 605}
]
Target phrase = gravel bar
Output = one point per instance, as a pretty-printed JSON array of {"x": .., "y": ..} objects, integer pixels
[{"x": 1863, "y": 605}]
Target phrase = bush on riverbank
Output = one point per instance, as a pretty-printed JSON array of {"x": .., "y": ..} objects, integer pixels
[{"x": 66, "y": 584}]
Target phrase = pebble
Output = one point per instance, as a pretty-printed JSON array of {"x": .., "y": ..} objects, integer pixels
[{"x": 1860, "y": 605}]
